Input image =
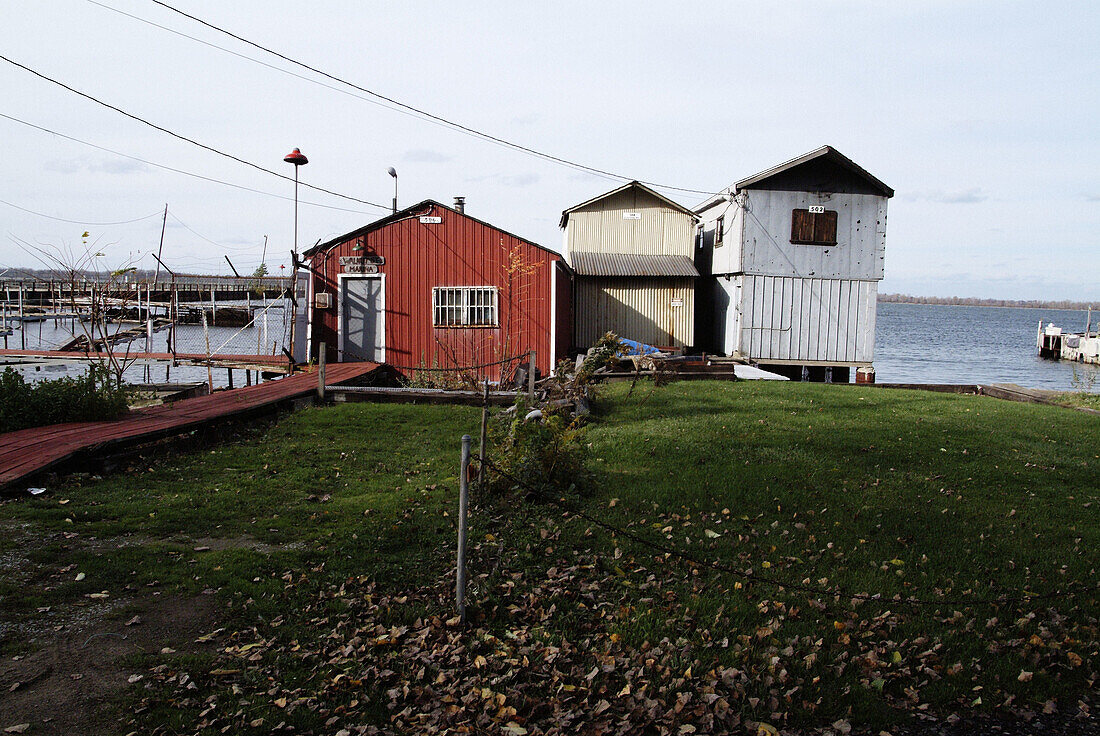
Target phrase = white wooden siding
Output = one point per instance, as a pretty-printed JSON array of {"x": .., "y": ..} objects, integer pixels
[
  {"x": 860, "y": 250},
  {"x": 800, "y": 319}
]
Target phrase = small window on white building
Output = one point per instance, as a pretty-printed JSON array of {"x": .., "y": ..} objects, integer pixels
[
  {"x": 719, "y": 231},
  {"x": 464, "y": 306},
  {"x": 816, "y": 226}
]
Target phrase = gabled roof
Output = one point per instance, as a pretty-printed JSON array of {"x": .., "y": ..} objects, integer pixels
[
  {"x": 825, "y": 153},
  {"x": 420, "y": 208},
  {"x": 633, "y": 184}
]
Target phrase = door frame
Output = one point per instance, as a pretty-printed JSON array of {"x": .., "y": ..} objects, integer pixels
[{"x": 340, "y": 279}]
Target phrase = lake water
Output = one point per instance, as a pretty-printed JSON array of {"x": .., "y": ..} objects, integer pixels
[
  {"x": 914, "y": 343},
  {"x": 266, "y": 336},
  {"x": 926, "y": 343}
]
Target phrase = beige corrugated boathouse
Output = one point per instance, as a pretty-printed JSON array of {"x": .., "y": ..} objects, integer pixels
[{"x": 631, "y": 250}]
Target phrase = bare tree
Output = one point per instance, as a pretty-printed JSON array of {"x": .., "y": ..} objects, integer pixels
[{"x": 109, "y": 299}]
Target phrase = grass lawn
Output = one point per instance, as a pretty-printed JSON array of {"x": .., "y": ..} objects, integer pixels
[{"x": 327, "y": 544}]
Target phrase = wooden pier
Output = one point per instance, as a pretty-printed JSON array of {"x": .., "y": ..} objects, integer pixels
[
  {"x": 264, "y": 363},
  {"x": 29, "y": 452}
]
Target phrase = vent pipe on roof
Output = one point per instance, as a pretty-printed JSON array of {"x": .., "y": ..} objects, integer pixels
[{"x": 460, "y": 204}]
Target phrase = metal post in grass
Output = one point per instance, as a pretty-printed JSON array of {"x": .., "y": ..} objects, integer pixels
[
  {"x": 484, "y": 435},
  {"x": 321, "y": 371},
  {"x": 531, "y": 377},
  {"x": 463, "y": 504}
]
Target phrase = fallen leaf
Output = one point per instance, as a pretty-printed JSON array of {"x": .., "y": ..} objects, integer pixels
[
  {"x": 514, "y": 728},
  {"x": 19, "y": 728}
]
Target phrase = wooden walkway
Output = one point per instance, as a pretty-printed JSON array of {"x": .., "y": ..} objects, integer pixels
[{"x": 30, "y": 451}]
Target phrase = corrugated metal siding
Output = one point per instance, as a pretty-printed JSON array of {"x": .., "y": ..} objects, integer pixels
[
  {"x": 457, "y": 252},
  {"x": 659, "y": 230},
  {"x": 637, "y": 308},
  {"x": 632, "y": 264},
  {"x": 799, "y": 319}
]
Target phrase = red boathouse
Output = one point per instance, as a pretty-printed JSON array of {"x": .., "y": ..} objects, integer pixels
[{"x": 430, "y": 286}]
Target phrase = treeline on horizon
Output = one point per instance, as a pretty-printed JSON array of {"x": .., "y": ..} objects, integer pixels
[
  {"x": 136, "y": 274},
  {"x": 974, "y": 302}
]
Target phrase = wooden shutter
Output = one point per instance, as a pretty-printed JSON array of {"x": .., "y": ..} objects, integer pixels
[
  {"x": 813, "y": 228},
  {"x": 825, "y": 227},
  {"x": 802, "y": 226}
]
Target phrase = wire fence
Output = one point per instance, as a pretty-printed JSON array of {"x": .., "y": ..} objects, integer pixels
[{"x": 1015, "y": 597}]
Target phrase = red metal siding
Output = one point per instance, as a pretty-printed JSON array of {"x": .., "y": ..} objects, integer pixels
[{"x": 459, "y": 251}]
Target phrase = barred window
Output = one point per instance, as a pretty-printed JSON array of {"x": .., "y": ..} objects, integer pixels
[{"x": 464, "y": 306}]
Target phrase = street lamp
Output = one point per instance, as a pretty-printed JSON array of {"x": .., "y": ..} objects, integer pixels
[
  {"x": 393, "y": 172},
  {"x": 296, "y": 158}
]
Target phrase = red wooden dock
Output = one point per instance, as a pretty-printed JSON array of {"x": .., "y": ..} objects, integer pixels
[{"x": 31, "y": 451}]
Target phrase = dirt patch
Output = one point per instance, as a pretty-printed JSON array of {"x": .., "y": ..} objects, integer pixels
[{"x": 68, "y": 684}]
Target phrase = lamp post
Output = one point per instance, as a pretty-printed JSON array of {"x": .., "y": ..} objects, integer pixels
[
  {"x": 393, "y": 172},
  {"x": 296, "y": 158}
]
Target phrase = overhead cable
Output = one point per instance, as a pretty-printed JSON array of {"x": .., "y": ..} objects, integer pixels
[
  {"x": 431, "y": 116},
  {"x": 184, "y": 138},
  {"x": 78, "y": 222},
  {"x": 175, "y": 170}
]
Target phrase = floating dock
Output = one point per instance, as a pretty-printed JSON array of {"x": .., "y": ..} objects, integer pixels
[{"x": 1079, "y": 347}]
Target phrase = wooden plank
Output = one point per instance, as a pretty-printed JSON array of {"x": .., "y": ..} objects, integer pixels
[{"x": 33, "y": 450}]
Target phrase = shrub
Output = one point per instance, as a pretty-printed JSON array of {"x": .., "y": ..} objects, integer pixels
[
  {"x": 537, "y": 456},
  {"x": 95, "y": 396}
]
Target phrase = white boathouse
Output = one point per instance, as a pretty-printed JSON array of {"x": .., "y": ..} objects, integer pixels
[{"x": 790, "y": 261}]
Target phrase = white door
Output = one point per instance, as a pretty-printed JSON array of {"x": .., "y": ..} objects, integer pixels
[{"x": 362, "y": 319}]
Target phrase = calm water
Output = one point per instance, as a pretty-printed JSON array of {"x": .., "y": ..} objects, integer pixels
[
  {"x": 266, "y": 336},
  {"x": 914, "y": 343},
  {"x": 924, "y": 343}
]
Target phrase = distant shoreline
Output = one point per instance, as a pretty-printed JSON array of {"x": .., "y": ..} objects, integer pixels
[{"x": 955, "y": 301}]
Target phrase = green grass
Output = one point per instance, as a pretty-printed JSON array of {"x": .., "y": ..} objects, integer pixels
[
  {"x": 337, "y": 525},
  {"x": 1079, "y": 399}
]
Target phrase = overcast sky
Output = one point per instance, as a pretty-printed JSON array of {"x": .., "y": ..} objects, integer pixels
[{"x": 982, "y": 116}]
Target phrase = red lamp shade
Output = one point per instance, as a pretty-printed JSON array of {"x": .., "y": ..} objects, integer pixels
[{"x": 296, "y": 157}]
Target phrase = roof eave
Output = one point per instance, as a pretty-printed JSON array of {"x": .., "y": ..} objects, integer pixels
[
  {"x": 675, "y": 205},
  {"x": 833, "y": 154},
  {"x": 408, "y": 212}
]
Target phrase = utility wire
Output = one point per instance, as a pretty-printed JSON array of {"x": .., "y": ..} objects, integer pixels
[
  {"x": 671, "y": 551},
  {"x": 430, "y": 116},
  {"x": 77, "y": 222},
  {"x": 184, "y": 138},
  {"x": 175, "y": 170},
  {"x": 238, "y": 249}
]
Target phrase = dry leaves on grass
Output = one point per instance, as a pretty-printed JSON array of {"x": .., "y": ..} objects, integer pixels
[{"x": 566, "y": 651}]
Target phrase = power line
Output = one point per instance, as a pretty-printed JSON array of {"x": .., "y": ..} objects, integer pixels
[
  {"x": 77, "y": 222},
  {"x": 184, "y": 138},
  {"x": 177, "y": 171},
  {"x": 281, "y": 70},
  {"x": 239, "y": 249},
  {"x": 430, "y": 116}
]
